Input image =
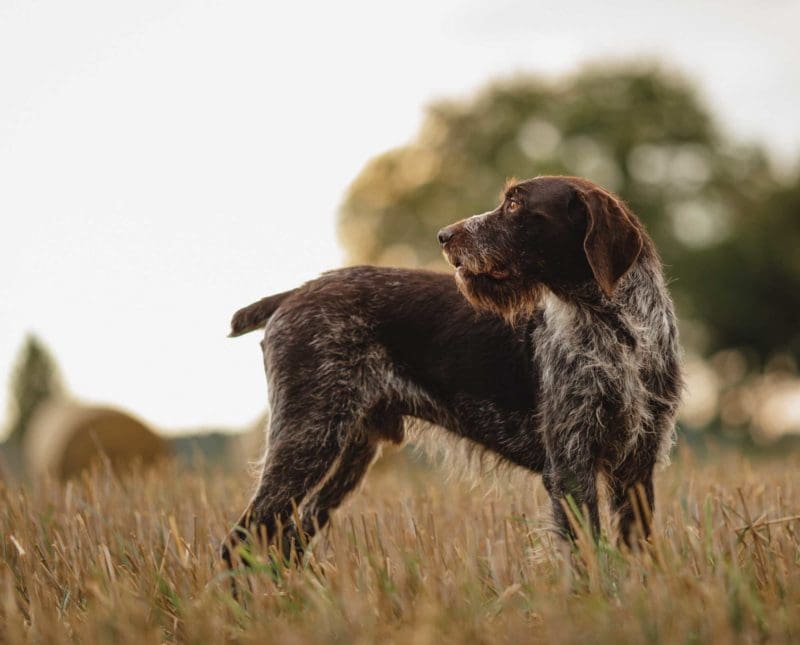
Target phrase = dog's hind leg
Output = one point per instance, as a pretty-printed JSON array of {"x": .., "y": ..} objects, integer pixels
[
  {"x": 345, "y": 476},
  {"x": 295, "y": 464},
  {"x": 382, "y": 423}
]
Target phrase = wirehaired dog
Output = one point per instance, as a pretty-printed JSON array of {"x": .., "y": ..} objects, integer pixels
[
  {"x": 585, "y": 379},
  {"x": 572, "y": 258}
]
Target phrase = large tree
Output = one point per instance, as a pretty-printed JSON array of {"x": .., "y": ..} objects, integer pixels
[{"x": 712, "y": 206}]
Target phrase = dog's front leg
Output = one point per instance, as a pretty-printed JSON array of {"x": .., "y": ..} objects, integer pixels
[{"x": 571, "y": 481}]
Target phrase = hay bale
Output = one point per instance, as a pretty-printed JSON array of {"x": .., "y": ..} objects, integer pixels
[{"x": 65, "y": 437}]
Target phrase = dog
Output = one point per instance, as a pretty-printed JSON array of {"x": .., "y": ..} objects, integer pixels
[
  {"x": 347, "y": 357},
  {"x": 561, "y": 357},
  {"x": 571, "y": 257}
]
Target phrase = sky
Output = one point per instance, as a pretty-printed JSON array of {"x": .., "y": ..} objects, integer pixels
[{"x": 163, "y": 163}]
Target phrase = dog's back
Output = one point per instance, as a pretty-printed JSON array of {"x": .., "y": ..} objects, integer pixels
[{"x": 399, "y": 329}]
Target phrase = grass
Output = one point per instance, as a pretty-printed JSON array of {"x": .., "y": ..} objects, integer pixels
[{"x": 413, "y": 557}]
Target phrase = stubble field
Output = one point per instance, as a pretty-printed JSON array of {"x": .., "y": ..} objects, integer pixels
[{"x": 413, "y": 557}]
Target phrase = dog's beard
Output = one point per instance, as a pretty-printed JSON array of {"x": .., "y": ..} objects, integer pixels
[
  {"x": 491, "y": 285},
  {"x": 509, "y": 299}
]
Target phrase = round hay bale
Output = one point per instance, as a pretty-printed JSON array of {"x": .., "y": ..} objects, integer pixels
[{"x": 64, "y": 438}]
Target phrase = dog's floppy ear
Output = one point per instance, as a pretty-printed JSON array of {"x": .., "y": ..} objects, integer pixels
[{"x": 613, "y": 240}]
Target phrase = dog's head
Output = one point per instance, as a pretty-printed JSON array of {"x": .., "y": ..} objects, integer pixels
[{"x": 558, "y": 233}]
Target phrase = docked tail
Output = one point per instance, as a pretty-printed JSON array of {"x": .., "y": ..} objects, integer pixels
[{"x": 255, "y": 316}]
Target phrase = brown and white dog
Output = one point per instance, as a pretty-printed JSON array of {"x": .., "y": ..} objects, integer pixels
[
  {"x": 585, "y": 380},
  {"x": 571, "y": 257}
]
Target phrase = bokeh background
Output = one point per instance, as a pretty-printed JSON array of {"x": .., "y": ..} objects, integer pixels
[{"x": 162, "y": 164}]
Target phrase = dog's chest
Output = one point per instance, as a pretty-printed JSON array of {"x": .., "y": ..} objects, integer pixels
[{"x": 588, "y": 373}]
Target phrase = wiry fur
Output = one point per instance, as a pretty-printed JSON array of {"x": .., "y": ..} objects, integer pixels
[
  {"x": 585, "y": 383},
  {"x": 353, "y": 354},
  {"x": 604, "y": 340}
]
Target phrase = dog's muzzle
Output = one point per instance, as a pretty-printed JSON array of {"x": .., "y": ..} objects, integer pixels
[{"x": 445, "y": 235}]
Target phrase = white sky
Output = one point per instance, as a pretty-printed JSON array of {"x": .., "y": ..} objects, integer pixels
[{"x": 163, "y": 163}]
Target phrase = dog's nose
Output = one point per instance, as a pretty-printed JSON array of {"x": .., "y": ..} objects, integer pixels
[{"x": 445, "y": 235}]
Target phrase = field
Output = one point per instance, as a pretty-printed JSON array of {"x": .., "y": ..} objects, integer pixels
[{"x": 413, "y": 557}]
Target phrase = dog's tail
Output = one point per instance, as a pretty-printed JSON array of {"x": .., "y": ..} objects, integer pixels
[{"x": 255, "y": 316}]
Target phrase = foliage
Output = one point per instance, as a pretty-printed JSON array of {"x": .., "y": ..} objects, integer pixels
[
  {"x": 726, "y": 229},
  {"x": 35, "y": 379},
  {"x": 750, "y": 281},
  {"x": 401, "y": 564}
]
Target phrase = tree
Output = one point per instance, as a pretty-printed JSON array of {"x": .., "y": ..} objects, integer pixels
[
  {"x": 747, "y": 288},
  {"x": 35, "y": 379},
  {"x": 641, "y": 132}
]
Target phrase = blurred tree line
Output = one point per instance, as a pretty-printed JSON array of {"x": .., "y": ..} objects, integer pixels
[
  {"x": 727, "y": 225},
  {"x": 727, "y": 228}
]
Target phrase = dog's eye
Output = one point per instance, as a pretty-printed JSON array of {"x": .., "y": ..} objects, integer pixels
[{"x": 512, "y": 205}]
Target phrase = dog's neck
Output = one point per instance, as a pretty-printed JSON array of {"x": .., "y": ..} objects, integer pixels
[{"x": 630, "y": 305}]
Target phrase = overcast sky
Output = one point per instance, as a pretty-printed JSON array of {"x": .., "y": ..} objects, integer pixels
[{"x": 164, "y": 163}]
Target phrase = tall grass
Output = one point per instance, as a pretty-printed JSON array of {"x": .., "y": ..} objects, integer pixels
[{"x": 414, "y": 557}]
